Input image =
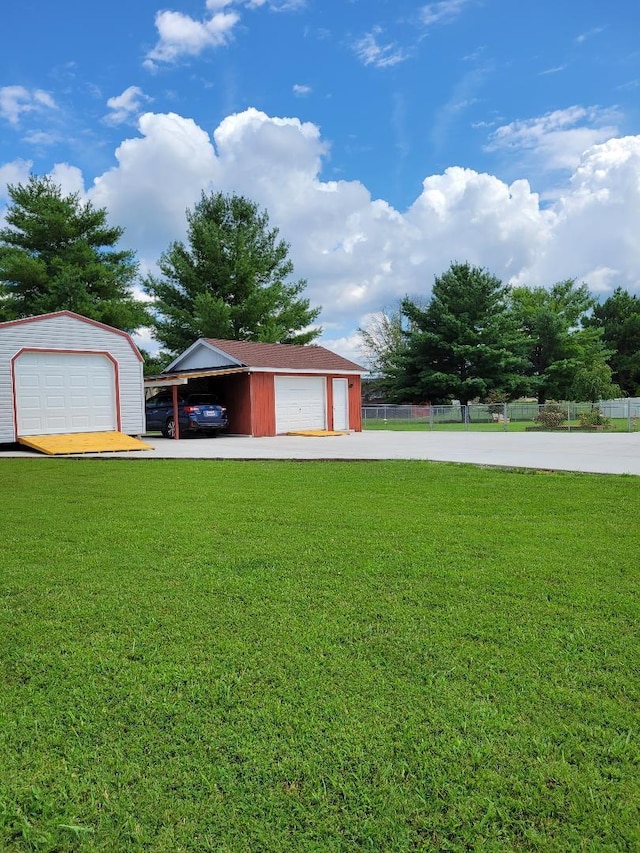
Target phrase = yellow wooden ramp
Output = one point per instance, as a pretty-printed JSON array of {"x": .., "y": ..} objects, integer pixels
[
  {"x": 83, "y": 442},
  {"x": 317, "y": 433}
]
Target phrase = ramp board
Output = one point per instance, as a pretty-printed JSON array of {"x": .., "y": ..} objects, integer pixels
[
  {"x": 318, "y": 433},
  {"x": 83, "y": 442}
]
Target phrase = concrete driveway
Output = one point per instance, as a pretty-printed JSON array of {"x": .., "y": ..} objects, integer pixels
[{"x": 600, "y": 453}]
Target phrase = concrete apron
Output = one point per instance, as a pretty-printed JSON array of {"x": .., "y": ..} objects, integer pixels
[{"x": 601, "y": 453}]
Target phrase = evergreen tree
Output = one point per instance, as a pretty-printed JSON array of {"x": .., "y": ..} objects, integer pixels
[
  {"x": 464, "y": 344},
  {"x": 619, "y": 318},
  {"x": 230, "y": 281},
  {"x": 57, "y": 253}
]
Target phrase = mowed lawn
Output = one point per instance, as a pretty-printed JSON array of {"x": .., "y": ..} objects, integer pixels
[{"x": 273, "y": 656}]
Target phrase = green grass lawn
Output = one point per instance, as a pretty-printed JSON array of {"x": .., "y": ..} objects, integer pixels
[{"x": 268, "y": 656}]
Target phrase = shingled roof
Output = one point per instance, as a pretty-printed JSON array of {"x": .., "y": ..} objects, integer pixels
[{"x": 291, "y": 356}]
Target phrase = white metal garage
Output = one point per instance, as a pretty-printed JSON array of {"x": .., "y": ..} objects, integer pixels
[
  {"x": 301, "y": 403},
  {"x": 64, "y": 393},
  {"x": 62, "y": 374}
]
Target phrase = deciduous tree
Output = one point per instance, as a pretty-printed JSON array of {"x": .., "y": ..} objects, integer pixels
[{"x": 558, "y": 344}]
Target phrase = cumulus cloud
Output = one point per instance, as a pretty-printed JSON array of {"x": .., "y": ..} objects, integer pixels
[
  {"x": 357, "y": 253},
  {"x": 557, "y": 139},
  {"x": 301, "y": 90},
  {"x": 124, "y": 107},
  {"x": 12, "y": 174},
  {"x": 15, "y": 101},
  {"x": 159, "y": 175},
  {"x": 181, "y": 35},
  {"x": 593, "y": 222}
]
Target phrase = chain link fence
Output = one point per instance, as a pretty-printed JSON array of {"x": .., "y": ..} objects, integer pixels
[{"x": 611, "y": 415}]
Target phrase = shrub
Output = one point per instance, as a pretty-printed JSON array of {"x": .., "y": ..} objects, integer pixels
[
  {"x": 594, "y": 418},
  {"x": 552, "y": 415}
]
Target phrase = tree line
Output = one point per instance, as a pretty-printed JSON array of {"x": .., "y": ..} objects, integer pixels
[
  {"x": 230, "y": 279},
  {"x": 479, "y": 339},
  {"x": 474, "y": 338}
]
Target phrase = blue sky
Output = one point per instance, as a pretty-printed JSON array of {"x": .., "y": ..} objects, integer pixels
[{"x": 386, "y": 138}]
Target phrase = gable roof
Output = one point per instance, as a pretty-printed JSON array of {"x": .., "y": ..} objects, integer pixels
[
  {"x": 284, "y": 356},
  {"x": 54, "y": 315}
]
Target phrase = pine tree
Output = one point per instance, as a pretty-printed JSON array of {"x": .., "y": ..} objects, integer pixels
[
  {"x": 57, "y": 253},
  {"x": 230, "y": 281}
]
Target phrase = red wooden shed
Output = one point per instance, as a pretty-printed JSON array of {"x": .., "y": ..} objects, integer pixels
[{"x": 270, "y": 389}]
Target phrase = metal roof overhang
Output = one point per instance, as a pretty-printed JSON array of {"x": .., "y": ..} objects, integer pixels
[{"x": 181, "y": 378}]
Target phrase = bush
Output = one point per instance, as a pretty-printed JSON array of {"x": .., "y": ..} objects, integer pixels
[
  {"x": 552, "y": 415},
  {"x": 594, "y": 418}
]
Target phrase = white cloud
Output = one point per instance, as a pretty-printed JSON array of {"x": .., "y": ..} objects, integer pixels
[
  {"x": 180, "y": 35},
  {"x": 589, "y": 34},
  {"x": 301, "y": 90},
  {"x": 159, "y": 175},
  {"x": 277, "y": 5},
  {"x": 13, "y": 173},
  {"x": 126, "y": 106},
  {"x": 370, "y": 52},
  {"x": 443, "y": 12},
  {"x": 359, "y": 254},
  {"x": 593, "y": 222},
  {"x": 17, "y": 100},
  {"x": 41, "y": 138},
  {"x": 559, "y": 138}
]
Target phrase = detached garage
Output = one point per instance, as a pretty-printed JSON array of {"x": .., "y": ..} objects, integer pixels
[
  {"x": 63, "y": 374},
  {"x": 269, "y": 389}
]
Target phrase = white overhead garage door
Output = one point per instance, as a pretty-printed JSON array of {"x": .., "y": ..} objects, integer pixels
[
  {"x": 300, "y": 403},
  {"x": 58, "y": 393}
]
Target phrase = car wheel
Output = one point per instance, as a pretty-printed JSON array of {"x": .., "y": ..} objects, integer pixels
[{"x": 169, "y": 429}]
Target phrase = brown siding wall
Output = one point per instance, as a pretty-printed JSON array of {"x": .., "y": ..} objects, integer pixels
[
  {"x": 355, "y": 403},
  {"x": 235, "y": 393},
  {"x": 263, "y": 404},
  {"x": 251, "y": 403}
]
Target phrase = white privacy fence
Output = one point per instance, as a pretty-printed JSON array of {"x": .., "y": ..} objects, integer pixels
[{"x": 622, "y": 415}]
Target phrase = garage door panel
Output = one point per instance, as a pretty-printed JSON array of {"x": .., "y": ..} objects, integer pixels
[
  {"x": 64, "y": 392},
  {"x": 300, "y": 403}
]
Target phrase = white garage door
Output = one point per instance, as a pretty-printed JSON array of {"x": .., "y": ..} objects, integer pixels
[
  {"x": 64, "y": 392},
  {"x": 300, "y": 403}
]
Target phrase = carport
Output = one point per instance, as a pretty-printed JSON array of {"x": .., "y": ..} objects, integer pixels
[
  {"x": 270, "y": 389},
  {"x": 175, "y": 381}
]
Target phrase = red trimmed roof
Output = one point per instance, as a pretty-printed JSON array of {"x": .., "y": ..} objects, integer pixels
[{"x": 291, "y": 356}]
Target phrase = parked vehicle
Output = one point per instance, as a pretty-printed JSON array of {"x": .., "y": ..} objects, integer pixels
[{"x": 196, "y": 413}]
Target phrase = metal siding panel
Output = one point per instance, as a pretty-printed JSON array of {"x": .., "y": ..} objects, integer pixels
[{"x": 70, "y": 333}]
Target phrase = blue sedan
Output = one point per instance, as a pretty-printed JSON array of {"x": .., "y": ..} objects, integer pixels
[{"x": 197, "y": 413}]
